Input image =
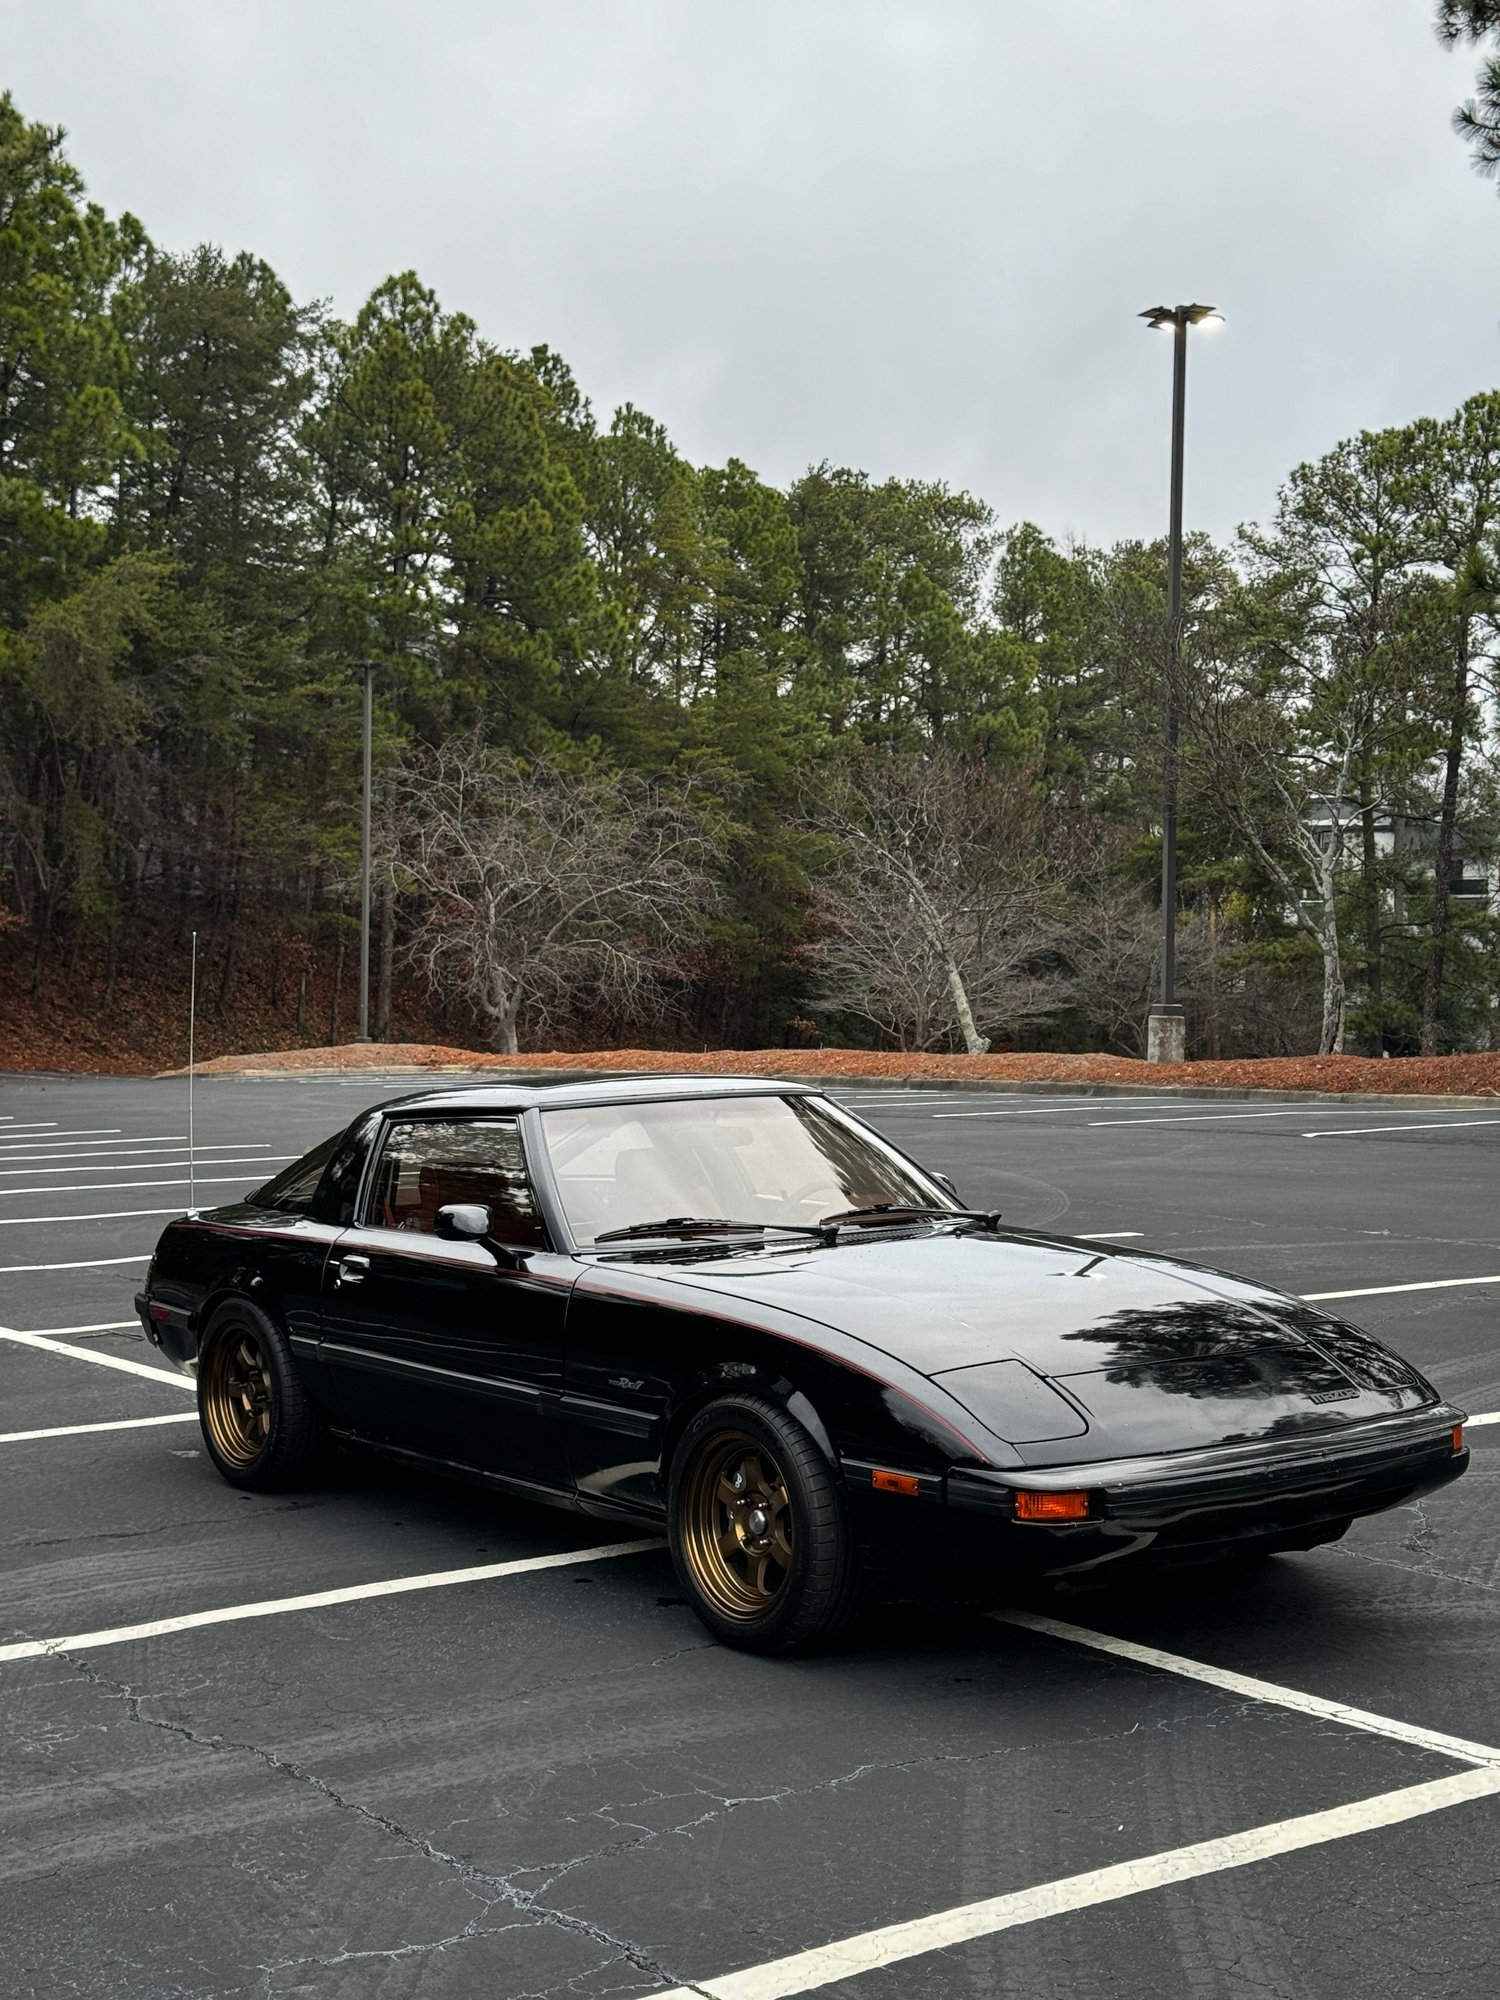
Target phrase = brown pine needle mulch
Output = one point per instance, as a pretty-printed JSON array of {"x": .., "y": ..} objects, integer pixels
[{"x": 1476, "y": 1075}]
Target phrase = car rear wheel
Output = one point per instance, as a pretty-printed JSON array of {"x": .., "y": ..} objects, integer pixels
[
  {"x": 261, "y": 1427},
  {"x": 758, "y": 1529}
]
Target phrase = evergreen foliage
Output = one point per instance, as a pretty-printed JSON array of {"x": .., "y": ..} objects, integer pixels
[{"x": 216, "y": 501}]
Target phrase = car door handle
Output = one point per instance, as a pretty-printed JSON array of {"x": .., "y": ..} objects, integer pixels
[{"x": 351, "y": 1270}]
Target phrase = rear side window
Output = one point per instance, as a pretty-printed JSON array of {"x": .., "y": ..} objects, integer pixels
[
  {"x": 340, "y": 1189},
  {"x": 295, "y": 1187},
  {"x": 428, "y": 1164}
]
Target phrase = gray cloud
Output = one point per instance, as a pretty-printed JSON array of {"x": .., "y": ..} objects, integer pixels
[{"x": 910, "y": 235}]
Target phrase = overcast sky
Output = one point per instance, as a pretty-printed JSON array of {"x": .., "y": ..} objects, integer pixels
[{"x": 907, "y": 235}]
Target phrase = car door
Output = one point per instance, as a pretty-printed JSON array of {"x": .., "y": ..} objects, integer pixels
[{"x": 441, "y": 1344}]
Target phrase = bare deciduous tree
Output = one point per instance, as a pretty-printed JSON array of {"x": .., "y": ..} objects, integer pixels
[
  {"x": 544, "y": 892},
  {"x": 940, "y": 900},
  {"x": 1114, "y": 948},
  {"x": 1286, "y": 786}
]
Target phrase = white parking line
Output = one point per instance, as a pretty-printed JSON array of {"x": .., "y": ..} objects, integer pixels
[
  {"x": 1443, "y": 1125},
  {"x": 76, "y": 1132},
  {"x": 104, "y": 1150},
  {"x": 1287, "y": 1111},
  {"x": 44, "y": 1345},
  {"x": 1006, "y": 1107},
  {"x": 142, "y": 1156},
  {"x": 1250, "y": 1689},
  {"x": 139, "y": 1167},
  {"x": 120, "y": 1424},
  {"x": 1174, "y": 1113},
  {"x": 94, "y": 1326},
  {"x": 89, "y": 1263},
  {"x": 1043, "y": 1111},
  {"x": 1108, "y": 1235},
  {"x": 124, "y": 1187},
  {"x": 825, "y": 1965},
  {"x": 67, "y": 1147},
  {"x": 901, "y": 1096},
  {"x": 317, "y": 1600},
  {"x": 1205, "y": 1117},
  {"x": 1424, "y": 1285},
  {"x": 97, "y": 1215}
]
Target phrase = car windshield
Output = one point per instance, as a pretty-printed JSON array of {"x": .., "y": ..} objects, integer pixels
[{"x": 750, "y": 1159}]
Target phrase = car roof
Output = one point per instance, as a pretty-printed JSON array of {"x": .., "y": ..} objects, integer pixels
[{"x": 558, "y": 1093}]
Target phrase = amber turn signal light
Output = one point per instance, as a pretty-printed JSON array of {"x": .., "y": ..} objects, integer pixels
[
  {"x": 1458, "y": 1437},
  {"x": 896, "y": 1482},
  {"x": 1052, "y": 1506}
]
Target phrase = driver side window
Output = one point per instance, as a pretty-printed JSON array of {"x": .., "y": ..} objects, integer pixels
[{"x": 428, "y": 1164}]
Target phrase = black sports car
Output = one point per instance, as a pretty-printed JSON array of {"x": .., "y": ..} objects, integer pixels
[{"x": 733, "y": 1307}]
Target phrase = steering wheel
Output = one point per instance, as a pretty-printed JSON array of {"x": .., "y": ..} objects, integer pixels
[{"x": 809, "y": 1191}]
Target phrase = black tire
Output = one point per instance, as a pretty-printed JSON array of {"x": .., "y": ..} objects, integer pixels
[
  {"x": 773, "y": 1585},
  {"x": 260, "y": 1427}
]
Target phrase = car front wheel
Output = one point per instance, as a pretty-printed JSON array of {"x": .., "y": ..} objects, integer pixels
[
  {"x": 261, "y": 1427},
  {"x": 758, "y": 1528}
]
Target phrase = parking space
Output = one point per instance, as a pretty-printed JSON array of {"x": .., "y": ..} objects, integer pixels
[
  {"x": 46, "y": 1388},
  {"x": 525, "y": 1771}
]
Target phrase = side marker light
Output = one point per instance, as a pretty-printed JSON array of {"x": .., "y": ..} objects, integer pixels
[
  {"x": 1052, "y": 1506},
  {"x": 897, "y": 1482},
  {"x": 1458, "y": 1437}
]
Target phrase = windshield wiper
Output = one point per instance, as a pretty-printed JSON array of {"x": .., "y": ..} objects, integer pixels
[
  {"x": 825, "y": 1229},
  {"x": 702, "y": 1225},
  {"x": 901, "y": 1211}
]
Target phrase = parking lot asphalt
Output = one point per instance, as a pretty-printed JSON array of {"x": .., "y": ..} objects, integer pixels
[{"x": 544, "y": 1780}]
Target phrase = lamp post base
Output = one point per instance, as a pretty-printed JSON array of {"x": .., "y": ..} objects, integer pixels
[{"x": 1166, "y": 1035}]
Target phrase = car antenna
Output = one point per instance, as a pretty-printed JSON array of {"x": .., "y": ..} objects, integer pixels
[{"x": 192, "y": 1027}]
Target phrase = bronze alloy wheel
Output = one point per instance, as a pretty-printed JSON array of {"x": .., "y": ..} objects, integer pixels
[
  {"x": 237, "y": 1393},
  {"x": 737, "y": 1527}
]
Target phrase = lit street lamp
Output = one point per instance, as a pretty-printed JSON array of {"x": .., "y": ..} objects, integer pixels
[{"x": 1166, "y": 1028}]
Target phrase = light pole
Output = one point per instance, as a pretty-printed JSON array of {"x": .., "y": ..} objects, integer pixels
[
  {"x": 367, "y": 668},
  {"x": 1166, "y": 1027}
]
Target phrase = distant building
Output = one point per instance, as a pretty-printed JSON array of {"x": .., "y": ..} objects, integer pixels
[{"x": 1475, "y": 882}]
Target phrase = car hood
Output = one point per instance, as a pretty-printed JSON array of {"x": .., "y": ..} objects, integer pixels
[{"x": 1134, "y": 1352}]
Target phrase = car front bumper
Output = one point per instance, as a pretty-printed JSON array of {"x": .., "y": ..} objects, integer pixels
[{"x": 1191, "y": 1507}]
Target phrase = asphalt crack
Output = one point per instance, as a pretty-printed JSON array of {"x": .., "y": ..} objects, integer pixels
[
  {"x": 1413, "y": 1569},
  {"x": 91, "y": 1535},
  {"x": 1423, "y": 1537},
  {"x": 476, "y": 1928},
  {"x": 491, "y": 1889},
  {"x": 638, "y": 1834}
]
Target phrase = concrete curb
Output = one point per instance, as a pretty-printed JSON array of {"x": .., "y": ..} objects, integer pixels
[{"x": 998, "y": 1086}]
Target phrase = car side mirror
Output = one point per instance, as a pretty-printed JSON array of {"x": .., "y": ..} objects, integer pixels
[
  {"x": 462, "y": 1222},
  {"x": 946, "y": 1183},
  {"x": 472, "y": 1222}
]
